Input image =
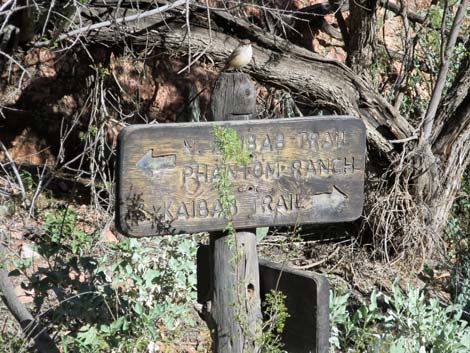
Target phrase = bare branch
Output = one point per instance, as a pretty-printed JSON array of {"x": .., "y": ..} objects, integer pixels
[
  {"x": 15, "y": 170},
  {"x": 188, "y": 28},
  {"x": 428, "y": 120},
  {"x": 30, "y": 326},
  {"x": 119, "y": 20},
  {"x": 6, "y": 4},
  {"x": 24, "y": 71},
  {"x": 398, "y": 10}
]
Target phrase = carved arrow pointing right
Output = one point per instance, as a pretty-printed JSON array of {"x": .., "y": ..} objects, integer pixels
[{"x": 333, "y": 199}]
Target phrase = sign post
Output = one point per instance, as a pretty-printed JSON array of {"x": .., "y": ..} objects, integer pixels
[{"x": 235, "y": 303}]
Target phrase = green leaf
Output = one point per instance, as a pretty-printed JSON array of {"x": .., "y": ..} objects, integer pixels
[
  {"x": 151, "y": 275},
  {"x": 138, "y": 308},
  {"x": 117, "y": 324},
  {"x": 261, "y": 233}
]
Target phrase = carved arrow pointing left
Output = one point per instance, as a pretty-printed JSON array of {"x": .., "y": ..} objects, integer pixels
[{"x": 150, "y": 164}]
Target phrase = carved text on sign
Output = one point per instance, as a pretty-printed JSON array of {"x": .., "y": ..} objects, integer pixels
[{"x": 302, "y": 170}]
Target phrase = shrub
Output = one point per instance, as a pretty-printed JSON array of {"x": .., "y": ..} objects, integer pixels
[{"x": 411, "y": 323}]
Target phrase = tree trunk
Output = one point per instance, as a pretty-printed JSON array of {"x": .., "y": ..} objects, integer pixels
[
  {"x": 451, "y": 139},
  {"x": 447, "y": 121},
  {"x": 362, "y": 36}
]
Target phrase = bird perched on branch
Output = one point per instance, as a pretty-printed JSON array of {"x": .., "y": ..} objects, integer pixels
[{"x": 240, "y": 56}]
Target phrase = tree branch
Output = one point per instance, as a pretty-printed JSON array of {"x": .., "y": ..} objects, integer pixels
[
  {"x": 446, "y": 113},
  {"x": 126, "y": 19},
  {"x": 31, "y": 328},
  {"x": 398, "y": 10},
  {"x": 15, "y": 170},
  {"x": 412, "y": 16},
  {"x": 441, "y": 79},
  {"x": 282, "y": 64},
  {"x": 297, "y": 70}
]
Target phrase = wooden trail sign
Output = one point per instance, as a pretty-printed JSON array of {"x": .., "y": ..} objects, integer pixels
[{"x": 303, "y": 170}]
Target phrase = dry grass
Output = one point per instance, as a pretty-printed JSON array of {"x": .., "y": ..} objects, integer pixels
[{"x": 399, "y": 221}]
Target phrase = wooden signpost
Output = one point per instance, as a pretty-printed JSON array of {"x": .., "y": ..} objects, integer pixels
[{"x": 302, "y": 170}]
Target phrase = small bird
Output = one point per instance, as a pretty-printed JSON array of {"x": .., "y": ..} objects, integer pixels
[{"x": 240, "y": 56}]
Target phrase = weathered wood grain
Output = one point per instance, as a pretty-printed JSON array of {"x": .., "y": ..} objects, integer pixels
[
  {"x": 238, "y": 101},
  {"x": 303, "y": 170},
  {"x": 236, "y": 303}
]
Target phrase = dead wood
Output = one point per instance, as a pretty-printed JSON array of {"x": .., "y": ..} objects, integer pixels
[
  {"x": 31, "y": 327},
  {"x": 279, "y": 63}
]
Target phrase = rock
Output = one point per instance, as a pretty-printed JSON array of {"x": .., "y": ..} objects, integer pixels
[
  {"x": 28, "y": 251},
  {"x": 109, "y": 237}
]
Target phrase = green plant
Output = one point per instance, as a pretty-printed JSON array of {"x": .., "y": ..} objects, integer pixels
[
  {"x": 28, "y": 180},
  {"x": 101, "y": 71},
  {"x": 355, "y": 330},
  {"x": 408, "y": 323},
  {"x": 230, "y": 147},
  {"x": 61, "y": 226},
  {"x": 276, "y": 313},
  {"x": 127, "y": 296},
  {"x": 143, "y": 293},
  {"x": 156, "y": 289}
]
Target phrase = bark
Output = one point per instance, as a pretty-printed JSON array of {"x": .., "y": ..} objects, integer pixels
[
  {"x": 455, "y": 147},
  {"x": 451, "y": 141},
  {"x": 362, "y": 36}
]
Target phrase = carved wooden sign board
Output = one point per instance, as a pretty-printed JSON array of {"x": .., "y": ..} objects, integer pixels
[{"x": 302, "y": 170}]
